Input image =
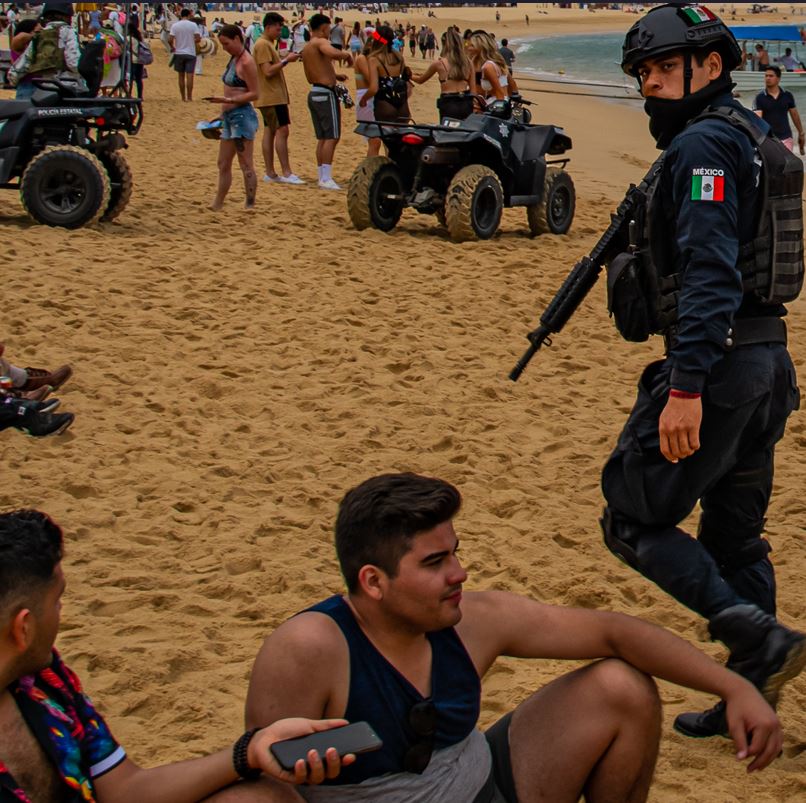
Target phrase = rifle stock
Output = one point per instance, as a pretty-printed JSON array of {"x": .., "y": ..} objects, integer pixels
[{"x": 584, "y": 274}]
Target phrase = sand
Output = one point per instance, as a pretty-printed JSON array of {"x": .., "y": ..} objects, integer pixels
[{"x": 235, "y": 373}]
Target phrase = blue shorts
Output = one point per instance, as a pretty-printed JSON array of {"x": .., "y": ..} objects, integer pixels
[{"x": 240, "y": 123}]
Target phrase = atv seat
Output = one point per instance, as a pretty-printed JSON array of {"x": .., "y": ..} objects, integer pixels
[{"x": 13, "y": 108}]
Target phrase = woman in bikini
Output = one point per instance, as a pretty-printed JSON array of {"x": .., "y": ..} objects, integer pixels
[
  {"x": 390, "y": 80},
  {"x": 455, "y": 74},
  {"x": 491, "y": 73},
  {"x": 366, "y": 113},
  {"x": 239, "y": 118}
]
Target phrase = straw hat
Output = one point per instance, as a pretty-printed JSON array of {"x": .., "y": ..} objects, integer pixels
[{"x": 206, "y": 47}]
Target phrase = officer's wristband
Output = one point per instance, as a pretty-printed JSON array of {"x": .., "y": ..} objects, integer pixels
[{"x": 674, "y": 393}]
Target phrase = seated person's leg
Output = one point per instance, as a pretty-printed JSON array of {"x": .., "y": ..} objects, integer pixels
[
  {"x": 594, "y": 731},
  {"x": 264, "y": 790}
]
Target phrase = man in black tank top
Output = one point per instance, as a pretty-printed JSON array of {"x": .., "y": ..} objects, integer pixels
[{"x": 405, "y": 650}]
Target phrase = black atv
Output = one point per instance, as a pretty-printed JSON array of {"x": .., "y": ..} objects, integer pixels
[
  {"x": 62, "y": 150},
  {"x": 465, "y": 172}
]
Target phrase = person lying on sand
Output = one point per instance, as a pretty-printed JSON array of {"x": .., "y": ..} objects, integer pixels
[
  {"x": 56, "y": 747},
  {"x": 405, "y": 650}
]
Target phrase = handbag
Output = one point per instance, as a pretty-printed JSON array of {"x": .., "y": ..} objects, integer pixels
[{"x": 144, "y": 53}]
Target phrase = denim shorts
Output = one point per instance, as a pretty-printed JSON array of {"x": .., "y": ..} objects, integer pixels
[{"x": 240, "y": 123}]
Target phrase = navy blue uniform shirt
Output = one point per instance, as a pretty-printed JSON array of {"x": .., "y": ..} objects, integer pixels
[
  {"x": 775, "y": 111},
  {"x": 709, "y": 197}
]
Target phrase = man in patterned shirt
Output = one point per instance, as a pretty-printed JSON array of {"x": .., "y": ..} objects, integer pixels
[{"x": 55, "y": 747}]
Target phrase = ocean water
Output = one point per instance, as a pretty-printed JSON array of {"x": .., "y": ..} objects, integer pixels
[{"x": 591, "y": 58}]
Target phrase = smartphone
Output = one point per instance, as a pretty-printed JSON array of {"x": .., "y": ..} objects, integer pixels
[{"x": 357, "y": 737}]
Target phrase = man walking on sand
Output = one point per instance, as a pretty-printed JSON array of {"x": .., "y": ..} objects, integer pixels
[
  {"x": 273, "y": 99},
  {"x": 317, "y": 59},
  {"x": 182, "y": 39}
]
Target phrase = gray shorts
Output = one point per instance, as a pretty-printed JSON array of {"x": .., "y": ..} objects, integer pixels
[
  {"x": 325, "y": 112},
  {"x": 183, "y": 62}
]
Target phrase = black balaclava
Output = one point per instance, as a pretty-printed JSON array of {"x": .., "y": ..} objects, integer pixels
[{"x": 667, "y": 118}]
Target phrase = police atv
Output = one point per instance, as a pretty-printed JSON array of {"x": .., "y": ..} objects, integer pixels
[
  {"x": 62, "y": 150},
  {"x": 465, "y": 172}
]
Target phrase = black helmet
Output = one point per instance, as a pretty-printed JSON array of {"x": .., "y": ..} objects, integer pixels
[
  {"x": 63, "y": 9},
  {"x": 670, "y": 28}
]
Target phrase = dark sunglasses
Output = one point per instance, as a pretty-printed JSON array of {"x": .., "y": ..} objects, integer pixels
[{"x": 423, "y": 721}]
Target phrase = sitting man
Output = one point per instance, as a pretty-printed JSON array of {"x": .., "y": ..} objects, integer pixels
[
  {"x": 54, "y": 744},
  {"x": 405, "y": 650}
]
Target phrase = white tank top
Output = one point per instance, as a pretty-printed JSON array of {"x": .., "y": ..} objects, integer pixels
[{"x": 503, "y": 78}]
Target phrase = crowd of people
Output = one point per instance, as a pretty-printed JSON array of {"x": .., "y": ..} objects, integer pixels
[{"x": 472, "y": 67}]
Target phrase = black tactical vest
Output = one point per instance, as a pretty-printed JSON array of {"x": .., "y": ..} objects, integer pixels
[{"x": 643, "y": 288}]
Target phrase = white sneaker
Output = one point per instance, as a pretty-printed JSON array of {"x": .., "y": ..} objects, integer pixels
[
  {"x": 269, "y": 179},
  {"x": 292, "y": 179},
  {"x": 329, "y": 185}
]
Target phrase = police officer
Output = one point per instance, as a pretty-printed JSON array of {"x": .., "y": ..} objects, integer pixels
[
  {"x": 707, "y": 418},
  {"x": 59, "y": 61}
]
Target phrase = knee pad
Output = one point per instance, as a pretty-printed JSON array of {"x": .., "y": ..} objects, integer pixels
[{"x": 619, "y": 539}]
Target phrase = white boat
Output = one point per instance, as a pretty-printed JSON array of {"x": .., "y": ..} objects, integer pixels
[{"x": 775, "y": 39}]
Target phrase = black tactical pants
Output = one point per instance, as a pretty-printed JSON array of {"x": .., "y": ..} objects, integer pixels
[{"x": 749, "y": 396}]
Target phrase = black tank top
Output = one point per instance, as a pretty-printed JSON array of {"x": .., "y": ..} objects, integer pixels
[{"x": 380, "y": 695}]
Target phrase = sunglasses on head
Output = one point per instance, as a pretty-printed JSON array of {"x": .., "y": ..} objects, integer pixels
[{"x": 423, "y": 721}]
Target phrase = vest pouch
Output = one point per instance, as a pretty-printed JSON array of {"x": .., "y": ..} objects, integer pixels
[
  {"x": 627, "y": 300},
  {"x": 46, "y": 55},
  {"x": 785, "y": 264}
]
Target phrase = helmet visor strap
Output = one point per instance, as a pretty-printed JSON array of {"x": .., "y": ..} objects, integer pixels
[{"x": 688, "y": 73}]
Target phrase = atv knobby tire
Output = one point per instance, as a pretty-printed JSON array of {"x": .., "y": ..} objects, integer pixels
[
  {"x": 376, "y": 195},
  {"x": 120, "y": 179},
  {"x": 65, "y": 186},
  {"x": 555, "y": 213},
  {"x": 473, "y": 204}
]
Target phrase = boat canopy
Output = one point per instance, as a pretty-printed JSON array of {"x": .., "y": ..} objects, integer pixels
[{"x": 767, "y": 33}]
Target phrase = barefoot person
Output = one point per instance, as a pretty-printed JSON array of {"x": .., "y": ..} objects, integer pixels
[
  {"x": 273, "y": 99},
  {"x": 405, "y": 650},
  {"x": 317, "y": 58},
  {"x": 57, "y": 747},
  {"x": 240, "y": 119}
]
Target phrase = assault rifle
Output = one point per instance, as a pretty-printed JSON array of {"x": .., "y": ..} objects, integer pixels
[{"x": 586, "y": 272}]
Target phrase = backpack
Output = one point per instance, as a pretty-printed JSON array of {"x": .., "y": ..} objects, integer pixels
[
  {"x": 113, "y": 49},
  {"x": 46, "y": 55},
  {"x": 393, "y": 90},
  {"x": 144, "y": 54},
  {"x": 772, "y": 262},
  {"x": 91, "y": 64}
]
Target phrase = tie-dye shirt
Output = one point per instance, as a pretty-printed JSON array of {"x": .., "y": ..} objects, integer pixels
[{"x": 71, "y": 732}]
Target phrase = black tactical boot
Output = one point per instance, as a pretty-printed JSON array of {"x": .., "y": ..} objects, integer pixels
[
  {"x": 761, "y": 650},
  {"x": 699, "y": 724}
]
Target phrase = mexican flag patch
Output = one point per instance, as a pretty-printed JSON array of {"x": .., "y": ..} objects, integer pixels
[
  {"x": 707, "y": 184},
  {"x": 697, "y": 14}
]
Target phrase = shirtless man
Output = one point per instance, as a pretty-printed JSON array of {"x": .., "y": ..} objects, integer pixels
[
  {"x": 317, "y": 59},
  {"x": 406, "y": 650},
  {"x": 55, "y": 747}
]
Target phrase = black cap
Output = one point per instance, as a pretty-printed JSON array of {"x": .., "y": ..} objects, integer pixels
[
  {"x": 677, "y": 27},
  {"x": 65, "y": 9}
]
